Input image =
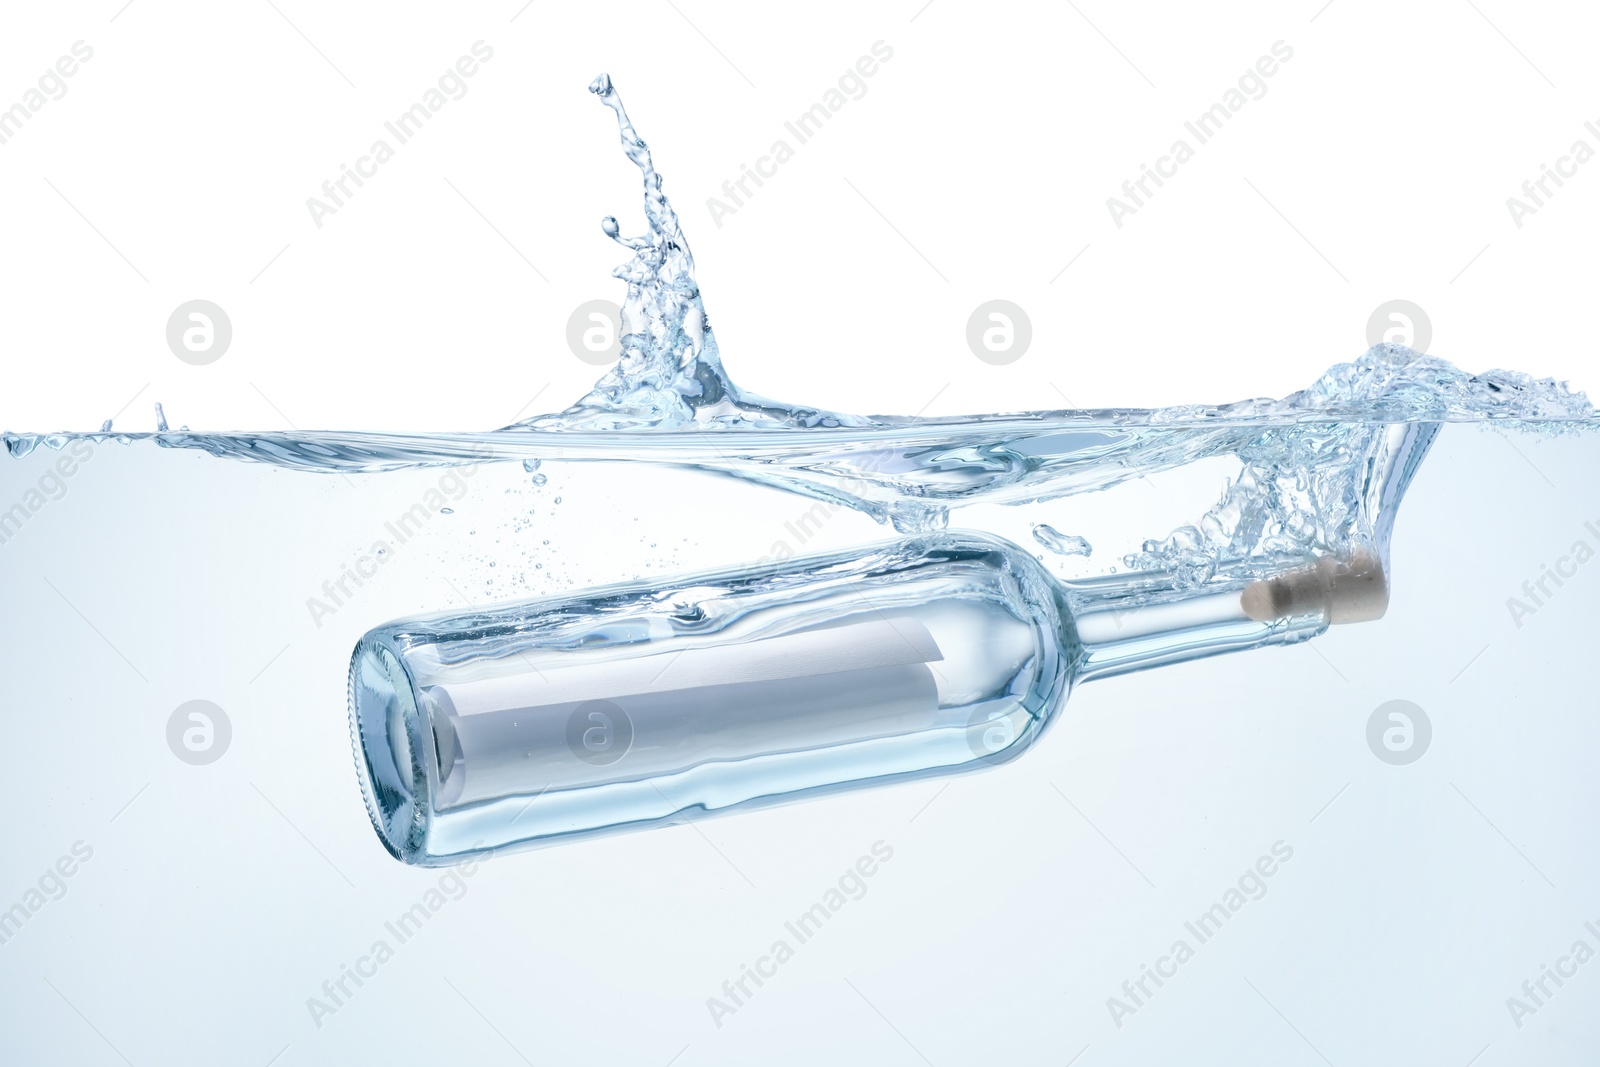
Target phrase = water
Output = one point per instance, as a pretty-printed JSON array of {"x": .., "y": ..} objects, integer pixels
[
  {"x": 150, "y": 574},
  {"x": 647, "y": 704},
  {"x": 1062, "y": 544},
  {"x": 212, "y": 579}
]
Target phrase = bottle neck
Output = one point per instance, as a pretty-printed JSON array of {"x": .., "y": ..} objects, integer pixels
[{"x": 1130, "y": 622}]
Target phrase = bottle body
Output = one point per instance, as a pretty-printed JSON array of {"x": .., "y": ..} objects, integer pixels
[{"x": 648, "y": 704}]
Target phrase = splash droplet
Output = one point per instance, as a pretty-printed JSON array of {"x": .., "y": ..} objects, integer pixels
[{"x": 1060, "y": 543}]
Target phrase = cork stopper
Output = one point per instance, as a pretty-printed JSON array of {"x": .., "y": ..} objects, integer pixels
[{"x": 1353, "y": 588}]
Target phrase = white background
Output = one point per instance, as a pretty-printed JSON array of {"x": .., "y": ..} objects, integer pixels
[
  {"x": 977, "y": 166},
  {"x": 991, "y": 141}
]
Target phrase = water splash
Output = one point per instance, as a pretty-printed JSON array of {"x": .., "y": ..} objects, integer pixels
[
  {"x": 669, "y": 373},
  {"x": 1317, "y": 468}
]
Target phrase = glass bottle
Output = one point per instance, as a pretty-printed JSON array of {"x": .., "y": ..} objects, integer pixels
[{"x": 641, "y": 705}]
